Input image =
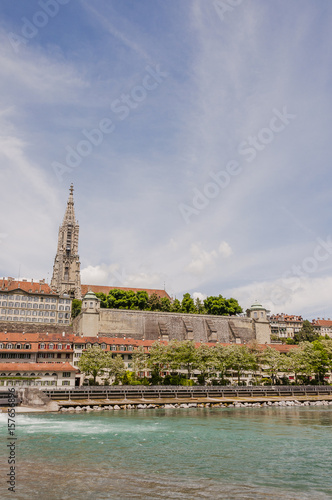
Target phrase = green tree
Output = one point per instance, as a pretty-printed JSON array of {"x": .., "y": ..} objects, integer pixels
[
  {"x": 165, "y": 304},
  {"x": 241, "y": 360},
  {"x": 142, "y": 300},
  {"x": 158, "y": 358},
  {"x": 76, "y": 307},
  {"x": 115, "y": 366},
  {"x": 273, "y": 361},
  {"x": 205, "y": 360},
  {"x": 319, "y": 358},
  {"x": 181, "y": 354},
  {"x": 298, "y": 362},
  {"x": 93, "y": 362},
  {"x": 200, "y": 309},
  {"x": 187, "y": 304},
  {"x": 154, "y": 302},
  {"x": 176, "y": 306},
  {"x": 306, "y": 334},
  {"x": 139, "y": 360},
  {"x": 222, "y": 359},
  {"x": 221, "y": 306}
]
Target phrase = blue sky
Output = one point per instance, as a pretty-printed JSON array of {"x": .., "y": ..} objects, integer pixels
[{"x": 197, "y": 134}]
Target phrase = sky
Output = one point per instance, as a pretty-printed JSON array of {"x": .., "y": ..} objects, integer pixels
[{"x": 197, "y": 134}]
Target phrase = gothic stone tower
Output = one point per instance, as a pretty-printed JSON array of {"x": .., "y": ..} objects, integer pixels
[{"x": 66, "y": 270}]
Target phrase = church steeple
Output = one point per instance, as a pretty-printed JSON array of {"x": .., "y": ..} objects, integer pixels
[{"x": 66, "y": 270}]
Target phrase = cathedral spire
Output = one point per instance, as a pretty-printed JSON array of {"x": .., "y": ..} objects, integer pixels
[
  {"x": 66, "y": 269},
  {"x": 69, "y": 216}
]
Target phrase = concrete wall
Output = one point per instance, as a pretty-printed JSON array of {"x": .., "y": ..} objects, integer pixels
[{"x": 167, "y": 326}]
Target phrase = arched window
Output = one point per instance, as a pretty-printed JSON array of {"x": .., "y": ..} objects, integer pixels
[
  {"x": 17, "y": 374},
  {"x": 68, "y": 346},
  {"x": 32, "y": 375},
  {"x": 1, "y": 345},
  {"x": 54, "y": 374},
  {"x": 59, "y": 346},
  {"x": 103, "y": 346},
  {"x": 27, "y": 346},
  {"x": 9, "y": 346},
  {"x": 18, "y": 346},
  {"x": 42, "y": 346},
  {"x": 47, "y": 374},
  {"x": 51, "y": 346}
]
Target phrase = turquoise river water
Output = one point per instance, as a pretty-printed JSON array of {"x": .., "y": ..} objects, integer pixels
[{"x": 221, "y": 453}]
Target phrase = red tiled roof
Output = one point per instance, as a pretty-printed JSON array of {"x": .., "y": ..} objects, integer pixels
[
  {"x": 37, "y": 367},
  {"x": 279, "y": 347},
  {"x": 27, "y": 286},
  {"x": 322, "y": 322},
  {"x": 105, "y": 289},
  {"x": 36, "y": 337}
]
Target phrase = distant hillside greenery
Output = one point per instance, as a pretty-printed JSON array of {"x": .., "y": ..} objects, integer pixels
[{"x": 140, "y": 301}]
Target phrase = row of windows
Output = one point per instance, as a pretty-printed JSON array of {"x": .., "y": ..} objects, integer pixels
[
  {"x": 35, "y": 320},
  {"x": 15, "y": 355},
  {"x": 34, "y": 306},
  {"x": 24, "y": 298},
  {"x": 113, "y": 347},
  {"x": 33, "y": 382},
  {"x": 52, "y": 355},
  {"x": 42, "y": 345},
  {"x": 30, "y": 313},
  {"x": 9, "y": 345}
]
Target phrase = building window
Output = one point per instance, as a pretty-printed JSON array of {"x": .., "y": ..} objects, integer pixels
[
  {"x": 9, "y": 346},
  {"x": 66, "y": 374},
  {"x": 27, "y": 346},
  {"x": 113, "y": 347},
  {"x": 51, "y": 346},
  {"x": 59, "y": 346},
  {"x": 65, "y": 382}
]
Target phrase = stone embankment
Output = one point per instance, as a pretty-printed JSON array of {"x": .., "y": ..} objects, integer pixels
[{"x": 168, "y": 406}]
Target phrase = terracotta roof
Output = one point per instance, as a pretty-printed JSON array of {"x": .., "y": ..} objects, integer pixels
[
  {"x": 36, "y": 337},
  {"x": 9, "y": 285},
  {"x": 286, "y": 317},
  {"x": 37, "y": 367},
  {"x": 322, "y": 322},
  {"x": 279, "y": 347},
  {"x": 105, "y": 289}
]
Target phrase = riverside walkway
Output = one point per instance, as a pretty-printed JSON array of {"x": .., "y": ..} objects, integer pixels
[{"x": 104, "y": 395}]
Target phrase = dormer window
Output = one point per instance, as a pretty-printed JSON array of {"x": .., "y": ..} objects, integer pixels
[{"x": 59, "y": 346}]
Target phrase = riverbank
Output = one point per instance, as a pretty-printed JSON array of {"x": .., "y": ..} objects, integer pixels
[{"x": 73, "y": 405}]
